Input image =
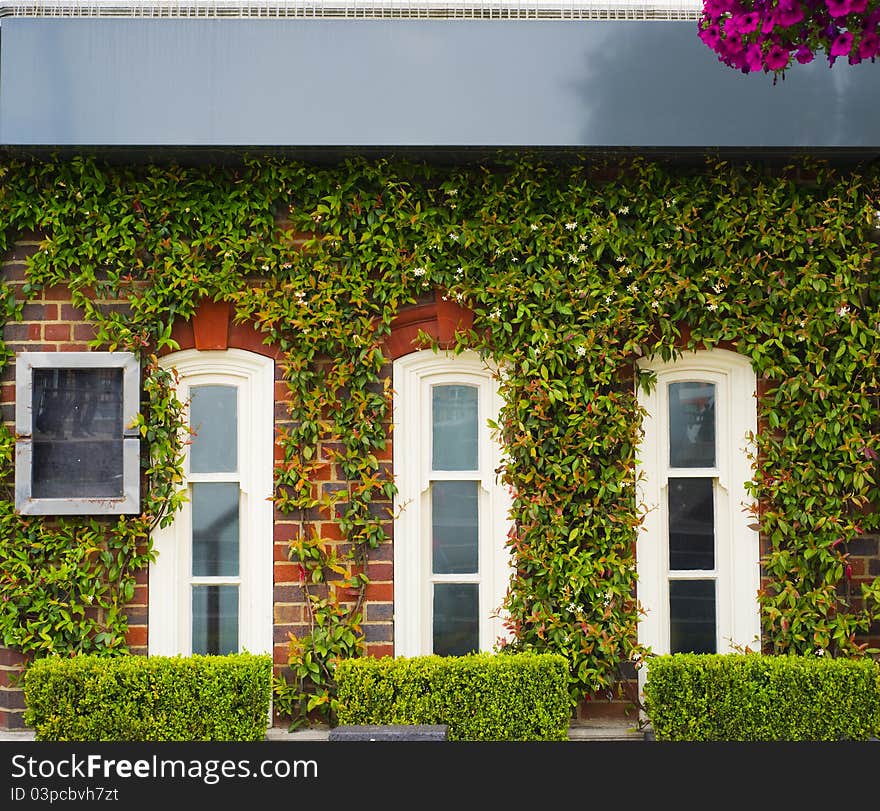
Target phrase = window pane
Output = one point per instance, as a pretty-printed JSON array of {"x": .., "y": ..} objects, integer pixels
[
  {"x": 215, "y": 620},
  {"x": 691, "y": 424},
  {"x": 213, "y": 416},
  {"x": 215, "y": 529},
  {"x": 454, "y": 421},
  {"x": 692, "y": 616},
  {"x": 455, "y": 526},
  {"x": 456, "y": 629},
  {"x": 691, "y": 524},
  {"x": 77, "y": 433}
]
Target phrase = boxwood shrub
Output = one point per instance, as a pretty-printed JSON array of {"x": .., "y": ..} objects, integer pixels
[
  {"x": 481, "y": 697},
  {"x": 752, "y": 697},
  {"x": 156, "y": 698}
]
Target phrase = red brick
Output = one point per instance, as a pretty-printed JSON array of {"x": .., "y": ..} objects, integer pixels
[
  {"x": 329, "y": 530},
  {"x": 380, "y": 649},
  {"x": 71, "y": 313},
  {"x": 287, "y": 573},
  {"x": 83, "y": 332},
  {"x": 57, "y": 292},
  {"x": 56, "y": 332},
  {"x": 39, "y": 312},
  {"x": 286, "y": 531},
  {"x": 287, "y": 614},
  {"x": 12, "y": 658},
  {"x": 136, "y": 635},
  {"x": 280, "y": 654},
  {"x": 380, "y": 592},
  {"x": 12, "y": 720},
  {"x": 380, "y": 572}
]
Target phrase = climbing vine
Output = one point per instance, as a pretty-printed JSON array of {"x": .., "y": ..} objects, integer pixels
[{"x": 573, "y": 272}]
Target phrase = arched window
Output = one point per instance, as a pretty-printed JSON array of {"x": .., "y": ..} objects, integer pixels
[
  {"x": 451, "y": 565},
  {"x": 697, "y": 556},
  {"x": 211, "y": 584}
]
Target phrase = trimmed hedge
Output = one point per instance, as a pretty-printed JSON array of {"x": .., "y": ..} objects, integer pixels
[
  {"x": 753, "y": 697},
  {"x": 481, "y": 697},
  {"x": 157, "y": 698}
]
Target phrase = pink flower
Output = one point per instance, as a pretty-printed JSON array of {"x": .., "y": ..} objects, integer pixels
[
  {"x": 869, "y": 46},
  {"x": 776, "y": 58},
  {"x": 711, "y": 36},
  {"x": 743, "y": 23},
  {"x": 838, "y": 8},
  {"x": 858, "y": 6},
  {"x": 754, "y": 57},
  {"x": 715, "y": 8},
  {"x": 803, "y": 54},
  {"x": 842, "y": 44},
  {"x": 788, "y": 13}
]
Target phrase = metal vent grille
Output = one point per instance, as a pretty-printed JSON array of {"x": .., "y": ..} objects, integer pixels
[{"x": 367, "y": 9}]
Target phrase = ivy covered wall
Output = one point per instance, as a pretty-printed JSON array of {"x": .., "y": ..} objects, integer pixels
[{"x": 573, "y": 272}]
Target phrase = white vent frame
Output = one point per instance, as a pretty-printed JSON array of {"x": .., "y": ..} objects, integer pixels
[{"x": 25, "y": 502}]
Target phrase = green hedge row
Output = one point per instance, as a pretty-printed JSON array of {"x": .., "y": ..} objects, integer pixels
[
  {"x": 750, "y": 697},
  {"x": 156, "y": 698},
  {"x": 481, "y": 697}
]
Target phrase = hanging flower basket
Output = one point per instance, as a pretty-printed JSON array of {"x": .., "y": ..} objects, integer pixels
[{"x": 771, "y": 35}]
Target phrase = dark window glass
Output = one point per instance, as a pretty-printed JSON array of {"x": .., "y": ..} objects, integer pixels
[
  {"x": 455, "y": 526},
  {"x": 692, "y": 616},
  {"x": 77, "y": 433},
  {"x": 691, "y": 425},
  {"x": 456, "y": 627},
  {"x": 691, "y": 524},
  {"x": 454, "y": 428},
  {"x": 215, "y": 529},
  {"x": 214, "y": 620}
]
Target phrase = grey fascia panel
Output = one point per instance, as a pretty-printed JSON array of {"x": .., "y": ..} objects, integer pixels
[{"x": 404, "y": 82}]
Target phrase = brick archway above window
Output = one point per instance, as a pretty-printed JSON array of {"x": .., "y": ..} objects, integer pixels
[
  {"x": 440, "y": 318},
  {"x": 213, "y": 327}
]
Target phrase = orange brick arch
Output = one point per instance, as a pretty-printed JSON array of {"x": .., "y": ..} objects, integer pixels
[{"x": 440, "y": 318}]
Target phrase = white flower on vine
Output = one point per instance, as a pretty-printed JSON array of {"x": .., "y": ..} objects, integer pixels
[
  {"x": 623, "y": 210},
  {"x": 419, "y": 271},
  {"x": 454, "y": 237},
  {"x": 581, "y": 351},
  {"x": 571, "y": 226},
  {"x": 843, "y": 310},
  {"x": 534, "y": 226},
  {"x": 712, "y": 306},
  {"x": 452, "y": 192}
]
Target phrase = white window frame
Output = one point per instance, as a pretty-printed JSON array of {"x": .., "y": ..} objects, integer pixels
[
  {"x": 170, "y": 607},
  {"x": 737, "y": 563},
  {"x": 414, "y": 375}
]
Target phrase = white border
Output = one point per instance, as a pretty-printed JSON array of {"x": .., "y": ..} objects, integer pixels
[
  {"x": 413, "y": 376},
  {"x": 169, "y": 607},
  {"x": 737, "y": 562}
]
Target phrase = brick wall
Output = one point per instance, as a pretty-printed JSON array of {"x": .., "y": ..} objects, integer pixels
[{"x": 52, "y": 323}]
